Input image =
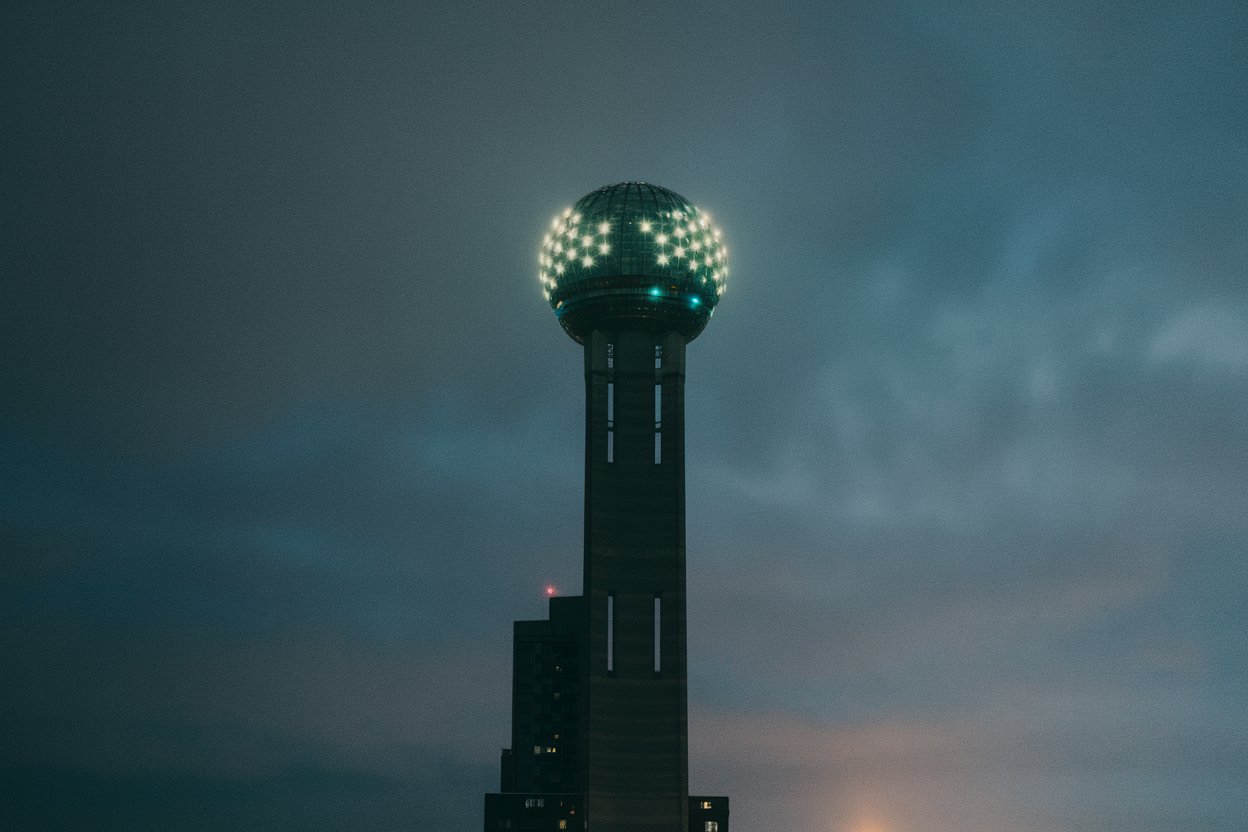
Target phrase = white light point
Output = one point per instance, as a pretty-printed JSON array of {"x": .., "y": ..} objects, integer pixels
[
  {"x": 662, "y": 259},
  {"x": 661, "y": 239},
  {"x": 604, "y": 249},
  {"x": 587, "y": 262},
  {"x": 645, "y": 227},
  {"x": 587, "y": 241},
  {"x": 558, "y": 268},
  {"x": 679, "y": 251},
  {"x": 604, "y": 227}
]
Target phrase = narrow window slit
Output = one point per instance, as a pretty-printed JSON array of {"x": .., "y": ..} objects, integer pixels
[
  {"x": 611, "y": 632},
  {"x": 658, "y": 633},
  {"x": 610, "y": 420},
  {"x": 658, "y": 423}
]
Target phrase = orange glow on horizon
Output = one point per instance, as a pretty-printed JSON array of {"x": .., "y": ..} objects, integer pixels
[{"x": 868, "y": 823}]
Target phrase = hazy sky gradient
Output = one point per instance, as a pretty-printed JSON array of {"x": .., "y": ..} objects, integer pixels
[{"x": 288, "y": 436}]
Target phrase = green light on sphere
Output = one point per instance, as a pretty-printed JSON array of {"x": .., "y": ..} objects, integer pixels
[{"x": 600, "y": 259}]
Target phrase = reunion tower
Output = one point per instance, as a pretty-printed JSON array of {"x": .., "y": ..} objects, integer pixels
[{"x": 599, "y": 728}]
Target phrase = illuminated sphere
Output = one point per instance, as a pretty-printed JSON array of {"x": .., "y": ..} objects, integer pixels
[{"x": 633, "y": 256}]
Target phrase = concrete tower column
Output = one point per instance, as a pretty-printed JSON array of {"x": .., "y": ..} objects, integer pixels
[{"x": 635, "y": 761}]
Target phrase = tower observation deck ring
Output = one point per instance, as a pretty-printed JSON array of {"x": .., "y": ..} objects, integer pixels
[{"x": 633, "y": 256}]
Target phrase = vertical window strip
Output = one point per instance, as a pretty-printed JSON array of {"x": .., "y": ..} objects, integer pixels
[
  {"x": 611, "y": 632},
  {"x": 610, "y": 421},
  {"x": 658, "y": 424},
  {"x": 658, "y": 633}
]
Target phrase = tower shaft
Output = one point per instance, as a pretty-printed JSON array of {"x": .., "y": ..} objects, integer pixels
[{"x": 635, "y": 738}]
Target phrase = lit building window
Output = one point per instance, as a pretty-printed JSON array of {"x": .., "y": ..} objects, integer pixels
[
  {"x": 711, "y": 826},
  {"x": 706, "y": 804}
]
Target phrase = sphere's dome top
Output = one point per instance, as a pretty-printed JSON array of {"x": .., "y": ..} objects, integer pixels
[{"x": 633, "y": 256}]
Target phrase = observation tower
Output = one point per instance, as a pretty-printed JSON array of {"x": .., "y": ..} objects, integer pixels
[{"x": 633, "y": 273}]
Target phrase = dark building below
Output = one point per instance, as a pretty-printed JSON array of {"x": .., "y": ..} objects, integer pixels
[{"x": 539, "y": 780}]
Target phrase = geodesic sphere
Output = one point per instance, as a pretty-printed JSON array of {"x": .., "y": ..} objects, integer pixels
[{"x": 633, "y": 256}]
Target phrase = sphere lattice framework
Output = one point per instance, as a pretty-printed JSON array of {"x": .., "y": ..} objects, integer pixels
[{"x": 633, "y": 255}]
